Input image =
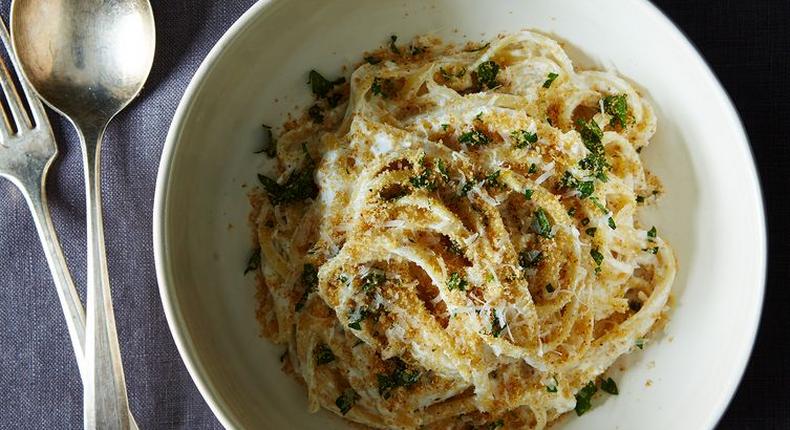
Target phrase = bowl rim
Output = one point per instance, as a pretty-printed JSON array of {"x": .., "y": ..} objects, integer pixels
[{"x": 175, "y": 318}]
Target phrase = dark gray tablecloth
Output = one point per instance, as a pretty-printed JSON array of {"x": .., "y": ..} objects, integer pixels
[{"x": 746, "y": 43}]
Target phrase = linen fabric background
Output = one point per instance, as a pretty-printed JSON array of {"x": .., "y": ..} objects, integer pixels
[{"x": 746, "y": 43}]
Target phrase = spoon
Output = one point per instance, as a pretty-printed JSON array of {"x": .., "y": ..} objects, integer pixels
[{"x": 88, "y": 59}]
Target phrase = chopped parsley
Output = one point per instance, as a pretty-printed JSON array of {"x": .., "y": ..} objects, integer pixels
[
  {"x": 442, "y": 169},
  {"x": 316, "y": 114},
  {"x": 254, "y": 262},
  {"x": 466, "y": 188},
  {"x": 393, "y": 47},
  {"x": 609, "y": 386},
  {"x": 492, "y": 180},
  {"x": 585, "y": 221},
  {"x": 612, "y": 225},
  {"x": 370, "y": 59},
  {"x": 532, "y": 168},
  {"x": 299, "y": 186},
  {"x": 550, "y": 79},
  {"x": 356, "y": 322},
  {"x": 583, "y": 398},
  {"x": 456, "y": 282},
  {"x": 597, "y": 258},
  {"x": 572, "y": 211},
  {"x": 528, "y": 193},
  {"x": 529, "y": 258},
  {"x": 599, "y": 205},
  {"x": 640, "y": 343},
  {"x": 585, "y": 188},
  {"x": 486, "y": 74},
  {"x": 541, "y": 224},
  {"x": 269, "y": 144},
  {"x": 474, "y": 138},
  {"x": 595, "y": 162},
  {"x": 591, "y": 231},
  {"x": 617, "y": 107},
  {"x": 320, "y": 85},
  {"x": 653, "y": 250},
  {"x": 549, "y": 288},
  {"x": 310, "y": 284},
  {"x": 423, "y": 180},
  {"x": 445, "y": 127},
  {"x": 523, "y": 138},
  {"x": 640, "y": 199},
  {"x": 651, "y": 234},
  {"x": 347, "y": 400},
  {"x": 401, "y": 376},
  {"x": 323, "y": 355},
  {"x": 372, "y": 280}
]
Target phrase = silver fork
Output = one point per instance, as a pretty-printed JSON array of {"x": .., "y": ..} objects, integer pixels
[{"x": 25, "y": 157}]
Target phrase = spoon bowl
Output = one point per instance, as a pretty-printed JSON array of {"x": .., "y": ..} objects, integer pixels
[{"x": 86, "y": 58}]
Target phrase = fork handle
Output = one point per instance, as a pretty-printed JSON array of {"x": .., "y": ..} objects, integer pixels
[
  {"x": 105, "y": 401},
  {"x": 67, "y": 294}
]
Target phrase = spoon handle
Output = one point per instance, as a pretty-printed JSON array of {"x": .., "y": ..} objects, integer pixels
[{"x": 105, "y": 402}]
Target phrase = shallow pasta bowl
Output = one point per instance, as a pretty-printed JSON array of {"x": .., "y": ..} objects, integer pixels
[{"x": 712, "y": 212}]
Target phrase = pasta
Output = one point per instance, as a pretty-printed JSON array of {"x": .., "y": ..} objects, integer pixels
[{"x": 451, "y": 238}]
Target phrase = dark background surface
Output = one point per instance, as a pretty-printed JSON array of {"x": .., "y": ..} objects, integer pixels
[{"x": 746, "y": 42}]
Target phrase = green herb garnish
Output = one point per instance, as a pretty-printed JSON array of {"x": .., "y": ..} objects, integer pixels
[
  {"x": 609, "y": 386},
  {"x": 651, "y": 234},
  {"x": 598, "y": 258},
  {"x": 254, "y": 262},
  {"x": 309, "y": 283},
  {"x": 394, "y": 47},
  {"x": 401, "y": 376},
  {"x": 347, "y": 400},
  {"x": 591, "y": 231},
  {"x": 316, "y": 114},
  {"x": 474, "y": 138},
  {"x": 299, "y": 186},
  {"x": 528, "y": 193},
  {"x": 617, "y": 107},
  {"x": 591, "y": 137},
  {"x": 492, "y": 180},
  {"x": 640, "y": 343},
  {"x": 523, "y": 138},
  {"x": 356, "y": 322},
  {"x": 320, "y": 85},
  {"x": 541, "y": 224},
  {"x": 583, "y": 398},
  {"x": 456, "y": 282},
  {"x": 323, "y": 355},
  {"x": 528, "y": 259},
  {"x": 549, "y": 288},
  {"x": 269, "y": 144},
  {"x": 550, "y": 79},
  {"x": 486, "y": 74},
  {"x": 640, "y": 199},
  {"x": 612, "y": 225},
  {"x": 384, "y": 87},
  {"x": 373, "y": 280},
  {"x": 532, "y": 168}
]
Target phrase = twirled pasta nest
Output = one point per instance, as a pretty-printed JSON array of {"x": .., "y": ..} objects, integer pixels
[{"x": 450, "y": 239}]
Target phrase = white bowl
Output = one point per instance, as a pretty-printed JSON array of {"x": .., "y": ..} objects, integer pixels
[{"x": 712, "y": 212}]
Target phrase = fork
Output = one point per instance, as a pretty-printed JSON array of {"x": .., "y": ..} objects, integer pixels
[{"x": 27, "y": 149}]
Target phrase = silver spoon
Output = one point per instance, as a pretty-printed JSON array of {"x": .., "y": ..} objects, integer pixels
[{"x": 88, "y": 59}]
